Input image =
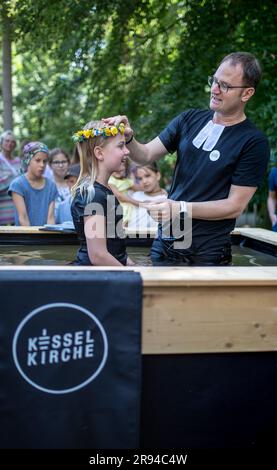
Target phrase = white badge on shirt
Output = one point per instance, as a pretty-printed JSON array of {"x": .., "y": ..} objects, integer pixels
[{"x": 214, "y": 155}]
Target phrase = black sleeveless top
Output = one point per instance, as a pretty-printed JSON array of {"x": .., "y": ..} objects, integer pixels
[{"x": 103, "y": 203}]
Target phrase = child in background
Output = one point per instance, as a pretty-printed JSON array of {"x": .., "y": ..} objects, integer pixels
[
  {"x": 120, "y": 184},
  {"x": 33, "y": 194},
  {"x": 94, "y": 208},
  {"x": 59, "y": 162},
  {"x": 63, "y": 213},
  {"x": 149, "y": 178}
]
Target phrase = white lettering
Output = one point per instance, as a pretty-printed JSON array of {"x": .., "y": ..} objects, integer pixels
[
  {"x": 70, "y": 346},
  {"x": 65, "y": 354},
  {"x": 56, "y": 341},
  {"x": 89, "y": 350},
  {"x": 32, "y": 344},
  {"x": 78, "y": 338},
  {"x": 77, "y": 352},
  {"x": 43, "y": 357},
  {"x": 67, "y": 339},
  {"x": 31, "y": 359},
  {"x": 89, "y": 338},
  {"x": 53, "y": 356}
]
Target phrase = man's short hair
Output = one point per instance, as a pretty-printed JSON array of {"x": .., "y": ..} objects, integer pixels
[{"x": 252, "y": 71}]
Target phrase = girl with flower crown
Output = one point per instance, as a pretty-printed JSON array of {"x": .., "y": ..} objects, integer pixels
[
  {"x": 96, "y": 212},
  {"x": 33, "y": 194}
]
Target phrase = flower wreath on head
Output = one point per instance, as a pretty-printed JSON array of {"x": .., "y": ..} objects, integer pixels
[{"x": 108, "y": 131}]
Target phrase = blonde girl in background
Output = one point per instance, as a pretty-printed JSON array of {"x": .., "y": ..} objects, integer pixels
[
  {"x": 95, "y": 210},
  {"x": 121, "y": 184}
]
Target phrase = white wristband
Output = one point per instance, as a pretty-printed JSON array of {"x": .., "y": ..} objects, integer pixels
[{"x": 183, "y": 207}]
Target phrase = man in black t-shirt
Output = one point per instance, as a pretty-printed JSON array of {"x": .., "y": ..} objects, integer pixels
[{"x": 221, "y": 160}]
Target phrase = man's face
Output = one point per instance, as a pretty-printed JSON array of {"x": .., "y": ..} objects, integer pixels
[{"x": 232, "y": 101}]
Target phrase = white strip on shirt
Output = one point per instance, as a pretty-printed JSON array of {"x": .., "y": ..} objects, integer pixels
[{"x": 208, "y": 136}]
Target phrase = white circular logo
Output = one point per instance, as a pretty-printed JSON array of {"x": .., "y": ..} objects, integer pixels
[
  {"x": 60, "y": 348},
  {"x": 214, "y": 155}
]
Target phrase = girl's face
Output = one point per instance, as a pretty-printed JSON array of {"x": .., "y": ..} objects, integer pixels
[
  {"x": 115, "y": 154},
  {"x": 37, "y": 164},
  {"x": 60, "y": 165},
  {"x": 148, "y": 180}
]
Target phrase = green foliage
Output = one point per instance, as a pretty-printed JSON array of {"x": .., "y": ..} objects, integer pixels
[{"x": 75, "y": 60}]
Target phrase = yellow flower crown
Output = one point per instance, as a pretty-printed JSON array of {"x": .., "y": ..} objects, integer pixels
[{"x": 109, "y": 131}]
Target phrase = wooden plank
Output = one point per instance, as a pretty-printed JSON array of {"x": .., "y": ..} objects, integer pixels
[
  {"x": 265, "y": 236},
  {"x": 22, "y": 230},
  {"x": 209, "y": 319},
  {"x": 201, "y": 310},
  {"x": 261, "y": 234},
  {"x": 180, "y": 276},
  {"x": 147, "y": 232}
]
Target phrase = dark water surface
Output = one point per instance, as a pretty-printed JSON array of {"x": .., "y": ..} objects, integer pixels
[{"x": 63, "y": 254}]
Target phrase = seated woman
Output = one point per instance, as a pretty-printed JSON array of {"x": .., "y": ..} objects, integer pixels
[{"x": 149, "y": 180}]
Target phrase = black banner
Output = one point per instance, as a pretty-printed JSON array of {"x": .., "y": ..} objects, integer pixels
[{"x": 70, "y": 359}]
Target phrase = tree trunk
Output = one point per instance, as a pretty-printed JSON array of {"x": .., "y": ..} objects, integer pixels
[{"x": 7, "y": 71}]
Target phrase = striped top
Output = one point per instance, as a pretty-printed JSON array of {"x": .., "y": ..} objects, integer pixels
[{"x": 9, "y": 169}]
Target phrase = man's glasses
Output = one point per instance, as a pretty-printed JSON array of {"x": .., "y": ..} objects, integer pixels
[
  {"x": 224, "y": 87},
  {"x": 60, "y": 162}
]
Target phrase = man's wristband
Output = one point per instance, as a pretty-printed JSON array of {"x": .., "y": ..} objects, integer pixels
[
  {"x": 183, "y": 207},
  {"x": 130, "y": 140}
]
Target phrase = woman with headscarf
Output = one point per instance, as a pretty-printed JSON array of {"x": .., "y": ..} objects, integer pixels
[
  {"x": 9, "y": 169},
  {"x": 32, "y": 193}
]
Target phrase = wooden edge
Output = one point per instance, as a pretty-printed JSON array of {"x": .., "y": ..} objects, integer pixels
[
  {"x": 179, "y": 276},
  {"x": 261, "y": 234}
]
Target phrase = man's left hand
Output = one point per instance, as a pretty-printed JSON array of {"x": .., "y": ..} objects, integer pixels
[{"x": 162, "y": 211}]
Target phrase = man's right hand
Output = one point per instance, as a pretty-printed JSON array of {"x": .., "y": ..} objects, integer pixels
[{"x": 116, "y": 120}]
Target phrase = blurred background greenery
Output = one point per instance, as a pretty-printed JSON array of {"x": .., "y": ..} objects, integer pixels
[{"x": 74, "y": 60}]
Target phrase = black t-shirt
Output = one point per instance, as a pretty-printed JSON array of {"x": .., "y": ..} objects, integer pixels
[
  {"x": 103, "y": 203},
  {"x": 239, "y": 157}
]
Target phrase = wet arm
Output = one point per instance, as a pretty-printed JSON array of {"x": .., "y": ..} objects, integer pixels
[
  {"x": 271, "y": 206},
  {"x": 122, "y": 197},
  {"x": 97, "y": 242}
]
